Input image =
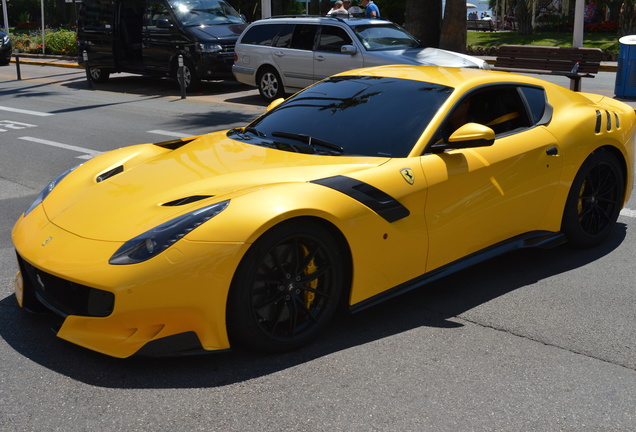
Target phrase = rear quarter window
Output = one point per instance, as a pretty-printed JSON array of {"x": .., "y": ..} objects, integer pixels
[{"x": 266, "y": 35}]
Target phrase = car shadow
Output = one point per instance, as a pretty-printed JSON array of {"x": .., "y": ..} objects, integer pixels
[{"x": 433, "y": 306}]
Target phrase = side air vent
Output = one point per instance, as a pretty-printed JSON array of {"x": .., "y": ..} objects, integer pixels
[
  {"x": 186, "y": 200},
  {"x": 108, "y": 174},
  {"x": 597, "y": 129}
]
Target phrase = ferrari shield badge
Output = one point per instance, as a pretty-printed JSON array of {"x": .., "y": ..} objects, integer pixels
[{"x": 408, "y": 175}]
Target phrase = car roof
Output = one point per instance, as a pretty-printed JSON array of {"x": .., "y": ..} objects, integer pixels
[{"x": 308, "y": 19}]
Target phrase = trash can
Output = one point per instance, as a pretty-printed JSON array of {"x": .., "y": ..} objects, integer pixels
[{"x": 626, "y": 70}]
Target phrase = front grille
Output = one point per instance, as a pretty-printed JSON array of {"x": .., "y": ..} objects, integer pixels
[{"x": 65, "y": 297}]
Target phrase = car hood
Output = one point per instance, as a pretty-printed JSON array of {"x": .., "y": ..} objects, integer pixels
[
  {"x": 425, "y": 57},
  {"x": 142, "y": 195},
  {"x": 217, "y": 32}
]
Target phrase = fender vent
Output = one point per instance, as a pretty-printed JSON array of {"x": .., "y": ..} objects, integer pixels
[
  {"x": 108, "y": 174},
  {"x": 186, "y": 200}
]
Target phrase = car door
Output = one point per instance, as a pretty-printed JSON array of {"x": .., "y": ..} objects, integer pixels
[
  {"x": 160, "y": 36},
  {"x": 328, "y": 57},
  {"x": 95, "y": 33},
  {"x": 478, "y": 197},
  {"x": 296, "y": 62}
]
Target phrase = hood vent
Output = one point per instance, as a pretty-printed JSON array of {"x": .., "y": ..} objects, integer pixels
[
  {"x": 186, "y": 200},
  {"x": 108, "y": 174}
]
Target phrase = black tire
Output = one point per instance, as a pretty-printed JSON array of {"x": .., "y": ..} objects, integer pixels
[
  {"x": 594, "y": 201},
  {"x": 99, "y": 75},
  {"x": 286, "y": 288},
  {"x": 192, "y": 80},
  {"x": 270, "y": 86}
]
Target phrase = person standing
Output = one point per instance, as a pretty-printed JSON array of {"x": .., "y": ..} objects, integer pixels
[{"x": 372, "y": 11}]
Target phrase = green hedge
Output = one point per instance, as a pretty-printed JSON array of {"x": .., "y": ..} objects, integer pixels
[{"x": 58, "y": 42}]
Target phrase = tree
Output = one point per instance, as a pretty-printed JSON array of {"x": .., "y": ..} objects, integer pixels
[
  {"x": 453, "y": 35},
  {"x": 424, "y": 21},
  {"x": 628, "y": 18},
  {"x": 523, "y": 13}
]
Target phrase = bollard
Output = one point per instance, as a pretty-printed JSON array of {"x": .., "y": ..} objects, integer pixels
[
  {"x": 88, "y": 69},
  {"x": 181, "y": 77},
  {"x": 17, "y": 64}
]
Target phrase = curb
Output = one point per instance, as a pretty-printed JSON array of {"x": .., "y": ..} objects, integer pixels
[{"x": 47, "y": 63}]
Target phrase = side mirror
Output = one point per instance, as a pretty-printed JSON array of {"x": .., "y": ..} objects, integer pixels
[
  {"x": 163, "y": 23},
  {"x": 274, "y": 104},
  {"x": 467, "y": 136},
  {"x": 348, "y": 49}
]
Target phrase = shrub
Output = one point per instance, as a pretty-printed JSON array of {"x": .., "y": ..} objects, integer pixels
[{"x": 58, "y": 42}]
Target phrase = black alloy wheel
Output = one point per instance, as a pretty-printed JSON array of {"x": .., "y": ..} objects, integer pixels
[
  {"x": 595, "y": 200},
  {"x": 286, "y": 288}
]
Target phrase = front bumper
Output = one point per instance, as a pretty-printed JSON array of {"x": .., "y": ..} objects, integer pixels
[{"x": 118, "y": 310}]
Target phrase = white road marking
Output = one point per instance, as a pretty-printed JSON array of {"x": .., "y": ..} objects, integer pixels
[
  {"x": 168, "y": 133},
  {"x": 88, "y": 153},
  {"x": 628, "y": 212},
  {"x": 10, "y": 124},
  {"x": 29, "y": 112}
]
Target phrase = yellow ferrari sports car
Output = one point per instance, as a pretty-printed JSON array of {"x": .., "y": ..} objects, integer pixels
[{"x": 365, "y": 185}]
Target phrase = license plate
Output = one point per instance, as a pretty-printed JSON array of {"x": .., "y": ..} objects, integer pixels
[{"x": 18, "y": 287}]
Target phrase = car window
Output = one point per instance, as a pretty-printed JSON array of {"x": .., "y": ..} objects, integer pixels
[
  {"x": 205, "y": 12},
  {"x": 304, "y": 37},
  {"x": 154, "y": 12},
  {"x": 278, "y": 35},
  {"x": 332, "y": 38},
  {"x": 97, "y": 14},
  {"x": 384, "y": 37},
  {"x": 501, "y": 108},
  {"x": 362, "y": 114},
  {"x": 535, "y": 97}
]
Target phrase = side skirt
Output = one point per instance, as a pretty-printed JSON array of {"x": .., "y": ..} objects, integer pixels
[{"x": 534, "y": 239}]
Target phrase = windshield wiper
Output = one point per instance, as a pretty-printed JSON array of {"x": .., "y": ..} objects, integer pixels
[{"x": 312, "y": 142}]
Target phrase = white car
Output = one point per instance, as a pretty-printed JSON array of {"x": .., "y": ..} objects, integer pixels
[{"x": 284, "y": 55}]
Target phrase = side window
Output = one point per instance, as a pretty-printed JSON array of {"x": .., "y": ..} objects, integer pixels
[
  {"x": 156, "y": 11},
  {"x": 332, "y": 38},
  {"x": 262, "y": 34},
  {"x": 97, "y": 14},
  {"x": 283, "y": 39},
  {"x": 535, "y": 97},
  {"x": 500, "y": 108},
  {"x": 304, "y": 37}
]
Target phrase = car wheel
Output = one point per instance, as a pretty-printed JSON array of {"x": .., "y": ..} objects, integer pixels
[
  {"x": 192, "y": 80},
  {"x": 594, "y": 201},
  {"x": 286, "y": 288},
  {"x": 270, "y": 85},
  {"x": 99, "y": 75}
]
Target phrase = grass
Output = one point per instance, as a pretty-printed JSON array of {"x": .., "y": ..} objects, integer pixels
[{"x": 604, "y": 41}]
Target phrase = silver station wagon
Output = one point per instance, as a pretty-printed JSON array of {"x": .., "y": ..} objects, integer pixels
[{"x": 286, "y": 54}]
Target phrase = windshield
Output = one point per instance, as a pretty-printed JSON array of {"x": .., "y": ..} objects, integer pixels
[
  {"x": 385, "y": 37},
  {"x": 350, "y": 115},
  {"x": 204, "y": 12}
]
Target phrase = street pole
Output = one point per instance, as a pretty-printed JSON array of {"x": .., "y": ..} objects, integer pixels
[
  {"x": 43, "y": 40},
  {"x": 577, "y": 34},
  {"x": 6, "y": 16}
]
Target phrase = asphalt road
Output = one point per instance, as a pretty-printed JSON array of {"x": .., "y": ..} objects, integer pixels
[{"x": 532, "y": 341}]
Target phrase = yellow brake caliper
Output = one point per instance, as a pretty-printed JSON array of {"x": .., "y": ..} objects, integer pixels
[{"x": 311, "y": 268}]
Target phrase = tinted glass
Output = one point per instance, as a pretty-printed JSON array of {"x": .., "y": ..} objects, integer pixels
[
  {"x": 384, "y": 37},
  {"x": 363, "y": 115},
  {"x": 97, "y": 14},
  {"x": 204, "y": 12},
  {"x": 332, "y": 39},
  {"x": 536, "y": 102},
  {"x": 262, "y": 34},
  {"x": 304, "y": 37}
]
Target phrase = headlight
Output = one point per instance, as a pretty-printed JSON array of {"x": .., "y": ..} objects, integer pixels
[
  {"x": 47, "y": 190},
  {"x": 160, "y": 238},
  {"x": 5, "y": 39},
  {"x": 210, "y": 48}
]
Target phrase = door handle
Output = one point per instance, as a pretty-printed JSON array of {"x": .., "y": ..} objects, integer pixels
[
  {"x": 279, "y": 54},
  {"x": 319, "y": 58},
  {"x": 552, "y": 151}
]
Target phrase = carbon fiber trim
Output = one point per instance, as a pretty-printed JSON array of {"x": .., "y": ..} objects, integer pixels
[{"x": 378, "y": 201}]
